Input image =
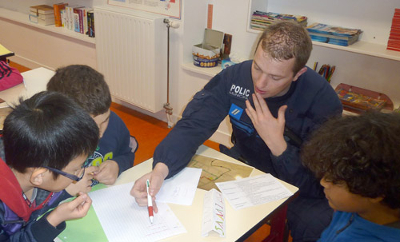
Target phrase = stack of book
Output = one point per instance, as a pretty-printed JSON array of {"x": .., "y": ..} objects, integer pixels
[
  {"x": 394, "y": 37},
  {"x": 42, "y": 14},
  {"x": 260, "y": 20},
  {"x": 332, "y": 34}
]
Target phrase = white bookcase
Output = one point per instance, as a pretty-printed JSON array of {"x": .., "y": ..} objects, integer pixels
[
  {"x": 369, "y": 44},
  {"x": 23, "y": 18}
]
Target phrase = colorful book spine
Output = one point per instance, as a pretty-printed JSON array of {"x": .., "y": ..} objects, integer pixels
[
  {"x": 58, "y": 7},
  {"x": 79, "y": 22},
  {"x": 76, "y": 22},
  {"x": 394, "y": 36},
  {"x": 90, "y": 16}
]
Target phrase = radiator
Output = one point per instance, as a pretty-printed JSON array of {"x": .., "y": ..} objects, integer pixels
[{"x": 131, "y": 49}]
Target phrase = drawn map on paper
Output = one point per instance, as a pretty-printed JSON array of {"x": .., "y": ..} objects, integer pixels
[{"x": 215, "y": 170}]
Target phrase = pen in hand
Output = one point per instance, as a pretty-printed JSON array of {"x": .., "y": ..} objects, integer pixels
[{"x": 149, "y": 202}]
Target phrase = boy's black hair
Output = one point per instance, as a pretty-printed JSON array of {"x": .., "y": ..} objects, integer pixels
[
  {"x": 85, "y": 85},
  {"x": 362, "y": 151},
  {"x": 48, "y": 129}
]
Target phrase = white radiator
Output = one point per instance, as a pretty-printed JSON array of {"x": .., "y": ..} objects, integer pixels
[{"x": 131, "y": 49}]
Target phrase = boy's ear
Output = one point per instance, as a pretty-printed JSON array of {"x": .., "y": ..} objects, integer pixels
[
  {"x": 37, "y": 176},
  {"x": 376, "y": 199}
]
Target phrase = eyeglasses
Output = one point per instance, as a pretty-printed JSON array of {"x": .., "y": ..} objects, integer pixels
[{"x": 70, "y": 176}]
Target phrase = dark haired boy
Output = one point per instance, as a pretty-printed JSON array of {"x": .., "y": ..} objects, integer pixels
[
  {"x": 357, "y": 159},
  {"x": 47, "y": 138},
  {"x": 116, "y": 149}
]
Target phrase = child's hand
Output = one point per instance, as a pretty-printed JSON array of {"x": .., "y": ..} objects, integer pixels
[
  {"x": 84, "y": 185},
  {"x": 74, "y": 209},
  {"x": 108, "y": 172}
]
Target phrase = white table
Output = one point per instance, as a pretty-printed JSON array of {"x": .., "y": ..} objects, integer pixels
[
  {"x": 240, "y": 224},
  {"x": 34, "y": 81}
]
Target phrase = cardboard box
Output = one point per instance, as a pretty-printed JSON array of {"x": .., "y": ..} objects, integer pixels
[{"x": 207, "y": 54}]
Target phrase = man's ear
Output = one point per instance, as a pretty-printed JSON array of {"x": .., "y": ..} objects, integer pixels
[
  {"x": 37, "y": 176},
  {"x": 299, "y": 73}
]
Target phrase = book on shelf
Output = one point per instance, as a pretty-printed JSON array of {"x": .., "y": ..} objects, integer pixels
[
  {"x": 46, "y": 19},
  {"x": 63, "y": 18},
  {"x": 394, "y": 36},
  {"x": 78, "y": 18},
  {"x": 338, "y": 40},
  {"x": 41, "y": 9},
  {"x": 76, "y": 22},
  {"x": 70, "y": 19},
  {"x": 83, "y": 20},
  {"x": 42, "y": 14},
  {"x": 90, "y": 16},
  {"x": 333, "y": 34},
  {"x": 260, "y": 20},
  {"x": 58, "y": 7}
]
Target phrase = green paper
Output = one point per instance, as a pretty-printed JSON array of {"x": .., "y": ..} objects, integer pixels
[{"x": 85, "y": 229}]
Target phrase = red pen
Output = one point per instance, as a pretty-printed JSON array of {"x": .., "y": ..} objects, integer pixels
[{"x": 149, "y": 202}]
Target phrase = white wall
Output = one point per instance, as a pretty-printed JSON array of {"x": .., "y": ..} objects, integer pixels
[{"x": 231, "y": 16}]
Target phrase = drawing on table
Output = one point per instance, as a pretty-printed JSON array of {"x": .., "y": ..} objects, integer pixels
[{"x": 215, "y": 170}]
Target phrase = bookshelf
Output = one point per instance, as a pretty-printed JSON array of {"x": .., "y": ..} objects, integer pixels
[
  {"x": 23, "y": 18},
  {"x": 365, "y": 46}
]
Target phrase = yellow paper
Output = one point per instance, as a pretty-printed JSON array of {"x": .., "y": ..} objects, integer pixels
[{"x": 4, "y": 50}]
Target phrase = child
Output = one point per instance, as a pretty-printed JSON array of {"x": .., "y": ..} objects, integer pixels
[
  {"x": 47, "y": 138},
  {"x": 116, "y": 149},
  {"x": 357, "y": 159}
]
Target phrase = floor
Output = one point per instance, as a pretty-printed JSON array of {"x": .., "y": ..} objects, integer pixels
[{"x": 149, "y": 132}]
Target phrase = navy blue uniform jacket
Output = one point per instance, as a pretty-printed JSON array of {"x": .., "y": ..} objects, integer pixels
[{"x": 311, "y": 102}]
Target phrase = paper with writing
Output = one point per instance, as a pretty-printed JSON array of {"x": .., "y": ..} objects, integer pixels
[
  {"x": 253, "y": 191},
  {"x": 214, "y": 214},
  {"x": 123, "y": 220},
  {"x": 181, "y": 188}
]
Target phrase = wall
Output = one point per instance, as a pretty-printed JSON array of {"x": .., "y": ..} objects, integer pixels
[
  {"x": 231, "y": 16},
  {"x": 35, "y": 47}
]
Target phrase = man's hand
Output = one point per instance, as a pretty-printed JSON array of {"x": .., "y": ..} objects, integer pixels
[
  {"x": 107, "y": 173},
  {"x": 85, "y": 184},
  {"x": 74, "y": 209},
  {"x": 268, "y": 127},
  {"x": 156, "y": 178}
]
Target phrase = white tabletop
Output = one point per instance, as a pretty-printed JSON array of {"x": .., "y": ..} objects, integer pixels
[
  {"x": 238, "y": 222},
  {"x": 34, "y": 81}
]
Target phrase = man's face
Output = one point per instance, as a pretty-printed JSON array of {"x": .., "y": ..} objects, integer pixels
[
  {"x": 272, "y": 78},
  {"x": 102, "y": 121}
]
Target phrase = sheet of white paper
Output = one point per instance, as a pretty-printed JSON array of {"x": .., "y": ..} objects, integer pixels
[
  {"x": 214, "y": 216},
  {"x": 123, "y": 220},
  {"x": 253, "y": 191},
  {"x": 36, "y": 80},
  {"x": 181, "y": 188}
]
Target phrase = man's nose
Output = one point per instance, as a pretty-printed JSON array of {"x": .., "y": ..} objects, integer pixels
[{"x": 262, "y": 81}]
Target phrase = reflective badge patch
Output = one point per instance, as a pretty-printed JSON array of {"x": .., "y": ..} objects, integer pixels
[{"x": 235, "y": 112}]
